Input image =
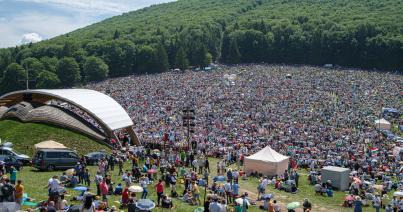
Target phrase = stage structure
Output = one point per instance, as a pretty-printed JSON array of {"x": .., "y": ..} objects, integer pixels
[{"x": 86, "y": 111}]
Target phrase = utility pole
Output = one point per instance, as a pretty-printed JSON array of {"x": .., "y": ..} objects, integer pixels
[
  {"x": 188, "y": 122},
  {"x": 27, "y": 78}
]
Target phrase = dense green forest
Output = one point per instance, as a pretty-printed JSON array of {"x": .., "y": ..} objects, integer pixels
[{"x": 354, "y": 33}]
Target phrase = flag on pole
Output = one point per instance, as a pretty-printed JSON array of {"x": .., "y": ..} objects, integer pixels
[{"x": 374, "y": 151}]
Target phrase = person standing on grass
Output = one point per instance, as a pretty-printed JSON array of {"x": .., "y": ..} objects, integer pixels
[
  {"x": 103, "y": 186},
  {"x": 120, "y": 165},
  {"x": 13, "y": 175},
  {"x": 357, "y": 204},
  {"x": 196, "y": 192},
  {"x": 207, "y": 164},
  {"x": 98, "y": 180},
  {"x": 235, "y": 191},
  {"x": 376, "y": 203},
  {"x": 143, "y": 184},
  {"x": 111, "y": 163},
  {"x": 228, "y": 191},
  {"x": 87, "y": 178},
  {"x": 159, "y": 188},
  {"x": 215, "y": 206},
  {"x": 244, "y": 205},
  {"x": 19, "y": 192}
]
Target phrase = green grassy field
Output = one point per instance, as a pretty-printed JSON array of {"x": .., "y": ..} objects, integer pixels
[
  {"x": 25, "y": 135},
  {"x": 35, "y": 182}
]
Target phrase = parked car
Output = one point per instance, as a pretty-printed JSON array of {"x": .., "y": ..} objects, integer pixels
[
  {"x": 7, "y": 151},
  {"x": 10, "y": 161},
  {"x": 52, "y": 159},
  {"x": 92, "y": 158}
]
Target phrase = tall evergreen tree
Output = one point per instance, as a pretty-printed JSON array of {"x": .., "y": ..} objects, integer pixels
[
  {"x": 161, "y": 59},
  {"x": 234, "y": 56},
  {"x": 181, "y": 60},
  {"x": 116, "y": 35}
]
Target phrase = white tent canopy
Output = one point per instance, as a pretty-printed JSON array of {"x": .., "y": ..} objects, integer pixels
[
  {"x": 49, "y": 145},
  {"x": 382, "y": 124},
  {"x": 266, "y": 161}
]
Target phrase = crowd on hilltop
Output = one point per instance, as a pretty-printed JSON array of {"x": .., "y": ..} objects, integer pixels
[
  {"x": 318, "y": 112},
  {"x": 316, "y": 116}
]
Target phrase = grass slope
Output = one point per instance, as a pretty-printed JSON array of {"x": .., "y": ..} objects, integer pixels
[
  {"x": 35, "y": 187},
  {"x": 25, "y": 135}
]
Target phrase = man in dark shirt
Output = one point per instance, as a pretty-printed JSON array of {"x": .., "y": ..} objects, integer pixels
[{"x": 51, "y": 207}]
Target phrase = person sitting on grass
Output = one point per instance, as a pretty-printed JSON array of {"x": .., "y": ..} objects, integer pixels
[
  {"x": 118, "y": 189},
  {"x": 320, "y": 189},
  {"x": 294, "y": 188},
  {"x": 51, "y": 207},
  {"x": 307, "y": 206},
  {"x": 63, "y": 203},
  {"x": 73, "y": 181},
  {"x": 188, "y": 198},
  {"x": 265, "y": 205},
  {"x": 166, "y": 202},
  {"x": 64, "y": 178},
  {"x": 329, "y": 192}
]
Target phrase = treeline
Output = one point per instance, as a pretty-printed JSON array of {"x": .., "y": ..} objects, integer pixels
[
  {"x": 362, "y": 33},
  {"x": 364, "y": 45},
  {"x": 71, "y": 64}
]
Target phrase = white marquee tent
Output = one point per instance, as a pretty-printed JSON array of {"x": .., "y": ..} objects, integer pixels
[
  {"x": 266, "y": 161},
  {"x": 49, "y": 145},
  {"x": 382, "y": 124}
]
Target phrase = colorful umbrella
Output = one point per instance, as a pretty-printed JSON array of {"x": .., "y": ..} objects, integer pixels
[
  {"x": 152, "y": 171},
  {"x": 30, "y": 204},
  {"x": 80, "y": 188},
  {"x": 349, "y": 198}
]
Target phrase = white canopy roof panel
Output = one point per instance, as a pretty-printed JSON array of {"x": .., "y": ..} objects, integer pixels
[
  {"x": 267, "y": 154},
  {"x": 98, "y": 105},
  {"x": 382, "y": 121},
  {"x": 49, "y": 145}
]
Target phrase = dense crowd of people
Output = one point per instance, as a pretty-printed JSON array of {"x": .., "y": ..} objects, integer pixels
[{"x": 315, "y": 116}]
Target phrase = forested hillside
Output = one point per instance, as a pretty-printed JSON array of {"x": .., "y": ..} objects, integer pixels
[{"x": 359, "y": 33}]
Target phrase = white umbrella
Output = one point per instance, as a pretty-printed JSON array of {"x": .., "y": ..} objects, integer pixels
[
  {"x": 135, "y": 189},
  {"x": 240, "y": 201},
  {"x": 398, "y": 194}
]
